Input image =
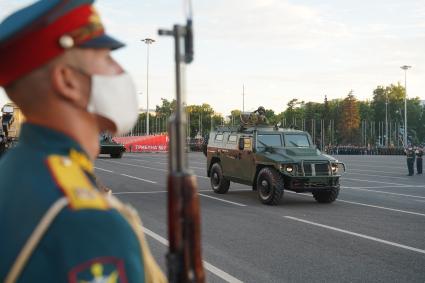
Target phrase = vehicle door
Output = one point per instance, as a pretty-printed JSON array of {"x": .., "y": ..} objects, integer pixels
[
  {"x": 246, "y": 162},
  {"x": 229, "y": 155},
  {"x": 225, "y": 157}
]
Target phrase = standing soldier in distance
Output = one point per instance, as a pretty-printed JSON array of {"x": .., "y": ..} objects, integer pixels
[
  {"x": 410, "y": 156},
  {"x": 56, "y": 225},
  {"x": 419, "y": 154}
]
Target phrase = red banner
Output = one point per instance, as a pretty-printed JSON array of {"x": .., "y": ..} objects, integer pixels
[{"x": 144, "y": 143}]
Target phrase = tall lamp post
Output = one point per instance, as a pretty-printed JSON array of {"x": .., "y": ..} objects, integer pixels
[
  {"x": 386, "y": 119},
  {"x": 148, "y": 42},
  {"x": 405, "y": 68}
]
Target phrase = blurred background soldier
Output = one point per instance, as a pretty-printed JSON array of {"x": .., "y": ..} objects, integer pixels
[
  {"x": 419, "y": 153},
  {"x": 410, "y": 156}
]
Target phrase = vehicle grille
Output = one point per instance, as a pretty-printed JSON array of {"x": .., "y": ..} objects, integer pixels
[
  {"x": 297, "y": 184},
  {"x": 314, "y": 169}
]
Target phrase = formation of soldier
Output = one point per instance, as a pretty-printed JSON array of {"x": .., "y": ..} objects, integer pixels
[{"x": 362, "y": 150}]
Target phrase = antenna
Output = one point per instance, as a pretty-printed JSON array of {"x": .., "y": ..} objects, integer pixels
[{"x": 243, "y": 98}]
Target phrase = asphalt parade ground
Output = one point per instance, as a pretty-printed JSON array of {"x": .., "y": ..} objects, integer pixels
[{"x": 374, "y": 232}]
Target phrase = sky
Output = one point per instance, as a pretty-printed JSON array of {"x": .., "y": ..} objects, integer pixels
[{"x": 277, "y": 49}]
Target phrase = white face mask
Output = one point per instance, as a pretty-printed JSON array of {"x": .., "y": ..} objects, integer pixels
[{"x": 114, "y": 98}]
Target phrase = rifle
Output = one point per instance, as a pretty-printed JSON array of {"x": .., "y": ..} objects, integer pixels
[{"x": 184, "y": 259}]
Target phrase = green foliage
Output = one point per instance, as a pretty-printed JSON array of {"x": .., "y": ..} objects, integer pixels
[
  {"x": 200, "y": 119},
  {"x": 343, "y": 120},
  {"x": 350, "y": 120},
  {"x": 166, "y": 107}
]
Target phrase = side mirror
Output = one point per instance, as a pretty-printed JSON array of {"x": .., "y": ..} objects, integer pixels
[{"x": 241, "y": 144}]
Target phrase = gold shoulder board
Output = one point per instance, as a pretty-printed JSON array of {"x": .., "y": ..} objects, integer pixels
[{"x": 71, "y": 179}]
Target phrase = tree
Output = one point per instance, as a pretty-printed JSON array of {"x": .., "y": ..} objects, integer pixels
[
  {"x": 166, "y": 108},
  {"x": 294, "y": 112},
  {"x": 199, "y": 119},
  {"x": 235, "y": 117},
  {"x": 350, "y": 120},
  {"x": 271, "y": 117}
]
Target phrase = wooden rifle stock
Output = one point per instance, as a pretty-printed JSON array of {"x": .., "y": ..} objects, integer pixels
[{"x": 184, "y": 259}]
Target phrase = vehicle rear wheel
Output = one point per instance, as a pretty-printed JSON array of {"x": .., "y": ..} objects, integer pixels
[
  {"x": 327, "y": 196},
  {"x": 116, "y": 155},
  {"x": 269, "y": 186},
  {"x": 218, "y": 183}
]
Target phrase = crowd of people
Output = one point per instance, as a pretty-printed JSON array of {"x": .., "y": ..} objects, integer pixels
[{"x": 363, "y": 150}]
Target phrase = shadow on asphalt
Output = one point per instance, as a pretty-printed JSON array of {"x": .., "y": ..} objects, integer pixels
[{"x": 249, "y": 197}]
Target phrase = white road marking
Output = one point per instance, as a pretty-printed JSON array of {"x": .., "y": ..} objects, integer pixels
[
  {"x": 131, "y": 193},
  {"x": 165, "y": 163},
  {"x": 219, "y": 199},
  {"x": 382, "y": 207},
  {"x": 137, "y": 178},
  {"x": 200, "y": 168},
  {"x": 368, "y": 205},
  {"x": 149, "y": 161},
  {"x": 358, "y": 235},
  {"x": 384, "y": 187},
  {"x": 370, "y": 175},
  {"x": 101, "y": 169},
  {"x": 208, "y": 266},
  {"x": 382, "y": 192},
  {"x": 135, "y": 165},
  {"x": 368, "y": 170},
  {"x": 369, "y": 181},
  {"x": 419, "y": 200},
  {"x": 149, "y": 192},
  {"x": 164, "y": 158},
  {"x": 378, "y": 164},
  {"x": 146, "y": 167}
]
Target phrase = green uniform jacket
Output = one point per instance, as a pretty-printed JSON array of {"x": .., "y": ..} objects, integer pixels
[{"x": 86, "y": 241}]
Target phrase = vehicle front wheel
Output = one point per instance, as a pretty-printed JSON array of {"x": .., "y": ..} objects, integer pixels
[
  {"x": 218, "y": 183},
  {"x": 269, "y": 186},
  {"x": 327, "y": 196}
]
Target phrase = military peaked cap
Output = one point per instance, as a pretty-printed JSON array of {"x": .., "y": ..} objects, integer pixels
[{"x": 36, "y": 34}]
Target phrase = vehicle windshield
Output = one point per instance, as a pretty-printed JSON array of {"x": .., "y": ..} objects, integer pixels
[
  {"x": 269, "y": 140},
  {"x": 296, "y": 140}
]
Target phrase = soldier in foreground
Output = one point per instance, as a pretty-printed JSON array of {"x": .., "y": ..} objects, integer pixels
[
  {"x": 410, "y": 156},
  {"x": 56, "y": 66}
]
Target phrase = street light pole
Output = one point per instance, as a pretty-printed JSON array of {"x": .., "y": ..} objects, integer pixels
[
  {"x": 148, "y": 42},
  {"x": 386, "y": 119},
  {"x": 405, "y": 68}
]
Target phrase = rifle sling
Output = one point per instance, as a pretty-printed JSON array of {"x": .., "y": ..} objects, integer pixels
[{"x": 34, "y": 239}]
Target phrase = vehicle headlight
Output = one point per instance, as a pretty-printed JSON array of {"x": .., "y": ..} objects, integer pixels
[
  {"x": 334, "y": 168},
  {"x": 289, "y": 168}
]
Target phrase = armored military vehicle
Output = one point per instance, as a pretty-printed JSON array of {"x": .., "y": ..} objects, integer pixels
[
  {"x": 271, "y": 160},
  {"x": 11, "y": 120},
  {"x": 109, "y": 146}
]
